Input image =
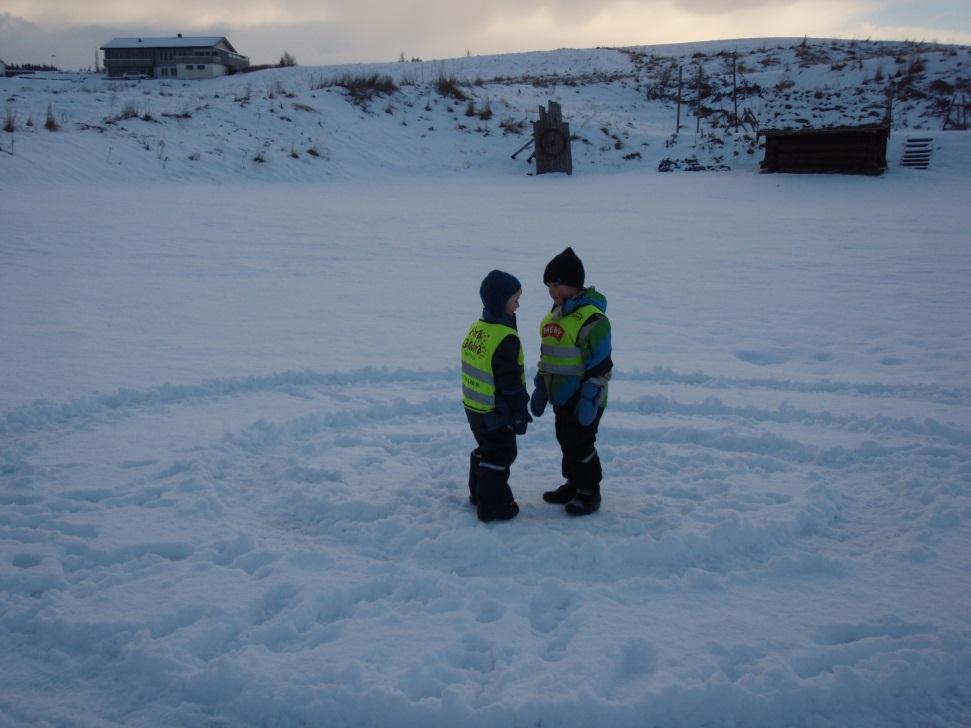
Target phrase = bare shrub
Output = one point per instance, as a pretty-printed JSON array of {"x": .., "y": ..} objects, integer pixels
[
  {"x": 361, "y": 89},
  {"x": 512, "y": 126},
  {"x": 449, "y": 86},
  {"x": 916, "y": 66}
]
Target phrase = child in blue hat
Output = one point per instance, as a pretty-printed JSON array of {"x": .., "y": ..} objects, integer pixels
[{"x": 494, "y": 395}]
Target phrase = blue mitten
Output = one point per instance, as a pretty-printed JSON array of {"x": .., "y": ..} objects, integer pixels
[
  {"x": 589, "y": 404},
  {"x": 537, "y": 403}
]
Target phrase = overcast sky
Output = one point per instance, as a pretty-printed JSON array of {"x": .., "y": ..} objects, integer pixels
[{"x": 320, "y": 32}]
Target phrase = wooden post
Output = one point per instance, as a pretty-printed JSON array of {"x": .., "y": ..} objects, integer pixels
[
  {"x": 551, "y": 141},
  {"x": 677, "y": 123},
  {"x": 698, "y": 105}
]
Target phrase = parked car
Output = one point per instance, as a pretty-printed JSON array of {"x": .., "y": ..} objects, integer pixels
[{"x": 134, "y": 76}]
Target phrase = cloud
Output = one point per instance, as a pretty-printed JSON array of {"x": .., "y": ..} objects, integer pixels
[
  {"x": 385, "y": 15},
  {"x": 914, "y": 32},
  {"x": 634, "y": 23}
]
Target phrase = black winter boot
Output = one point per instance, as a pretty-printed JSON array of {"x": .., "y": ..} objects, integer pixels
[
  {"x": 495, "y": 499},
  {"x": 474, "y": 459},
  {"x": 500, "y": 513},
  {"x": 564, "y": 494},
  {"x": 584, "y": 503}
]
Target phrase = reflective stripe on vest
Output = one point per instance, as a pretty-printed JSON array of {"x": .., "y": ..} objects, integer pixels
[
  {"x": 559, "y": 353},
  {"x": 478, "y": 348}
]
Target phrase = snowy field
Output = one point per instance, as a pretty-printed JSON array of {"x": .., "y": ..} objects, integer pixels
[{"x": 233, "y": 457}]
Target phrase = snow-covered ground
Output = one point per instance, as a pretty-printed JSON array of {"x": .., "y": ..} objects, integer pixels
[{"x": 233, "y": 458}]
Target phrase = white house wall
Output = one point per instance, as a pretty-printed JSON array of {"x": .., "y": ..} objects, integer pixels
[{"x": 196, "y": 71}]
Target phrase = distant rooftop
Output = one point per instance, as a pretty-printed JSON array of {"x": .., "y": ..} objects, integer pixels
[{"x": 171, "y": 42}]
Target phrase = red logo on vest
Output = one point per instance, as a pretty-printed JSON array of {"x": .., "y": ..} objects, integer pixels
[{"x": 553, "y": 330}]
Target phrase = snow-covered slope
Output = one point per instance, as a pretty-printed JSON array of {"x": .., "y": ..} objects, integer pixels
[{"x": 294, "y": 124}]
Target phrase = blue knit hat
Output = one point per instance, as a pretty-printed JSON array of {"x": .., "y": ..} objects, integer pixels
[{"x": 495, "y": 291}]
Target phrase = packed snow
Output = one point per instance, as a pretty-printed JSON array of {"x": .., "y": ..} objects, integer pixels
[{"x": 233, "y": 456}]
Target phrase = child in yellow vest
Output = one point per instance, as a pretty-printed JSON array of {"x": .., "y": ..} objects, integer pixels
[
  {"x": 494, "y": 396},
  {"x": 574, "y": 368}
]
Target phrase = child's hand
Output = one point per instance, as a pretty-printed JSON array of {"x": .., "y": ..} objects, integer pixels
[
  {"x": 589, "y": 404},
  {"x": 537, "y": 403},
  {"x": 520, "y": 422}
]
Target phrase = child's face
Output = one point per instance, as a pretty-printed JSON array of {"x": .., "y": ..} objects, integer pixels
[
  {"x": 560, "y": 292},
  {"x": 512, "y": 305}
]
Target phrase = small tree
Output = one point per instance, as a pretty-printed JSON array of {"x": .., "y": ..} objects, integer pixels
[{"x": 287, "y": 59}]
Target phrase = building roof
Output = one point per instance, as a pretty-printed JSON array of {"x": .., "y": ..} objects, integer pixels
[{"x": 171, "y": 42}]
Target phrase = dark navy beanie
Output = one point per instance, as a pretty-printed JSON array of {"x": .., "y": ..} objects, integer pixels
[
  {"x": 565, "y": 268},
  {"x": 495, "y": 291}
]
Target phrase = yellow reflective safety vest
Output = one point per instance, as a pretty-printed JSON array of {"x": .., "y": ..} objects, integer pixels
[
  {"x": 478, "y": 383},
  {"x": 561, "y": 358}
]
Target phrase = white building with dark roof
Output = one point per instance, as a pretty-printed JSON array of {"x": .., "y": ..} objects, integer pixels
[{"x": 178, "y": 57}]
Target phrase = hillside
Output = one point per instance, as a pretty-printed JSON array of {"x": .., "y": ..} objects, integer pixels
[{"x": 470, "y": 113}]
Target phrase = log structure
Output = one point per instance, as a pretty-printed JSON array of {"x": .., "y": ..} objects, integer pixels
[
  {"x": 846, "y": 149},
  {"x": 551, "y": 141}
]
